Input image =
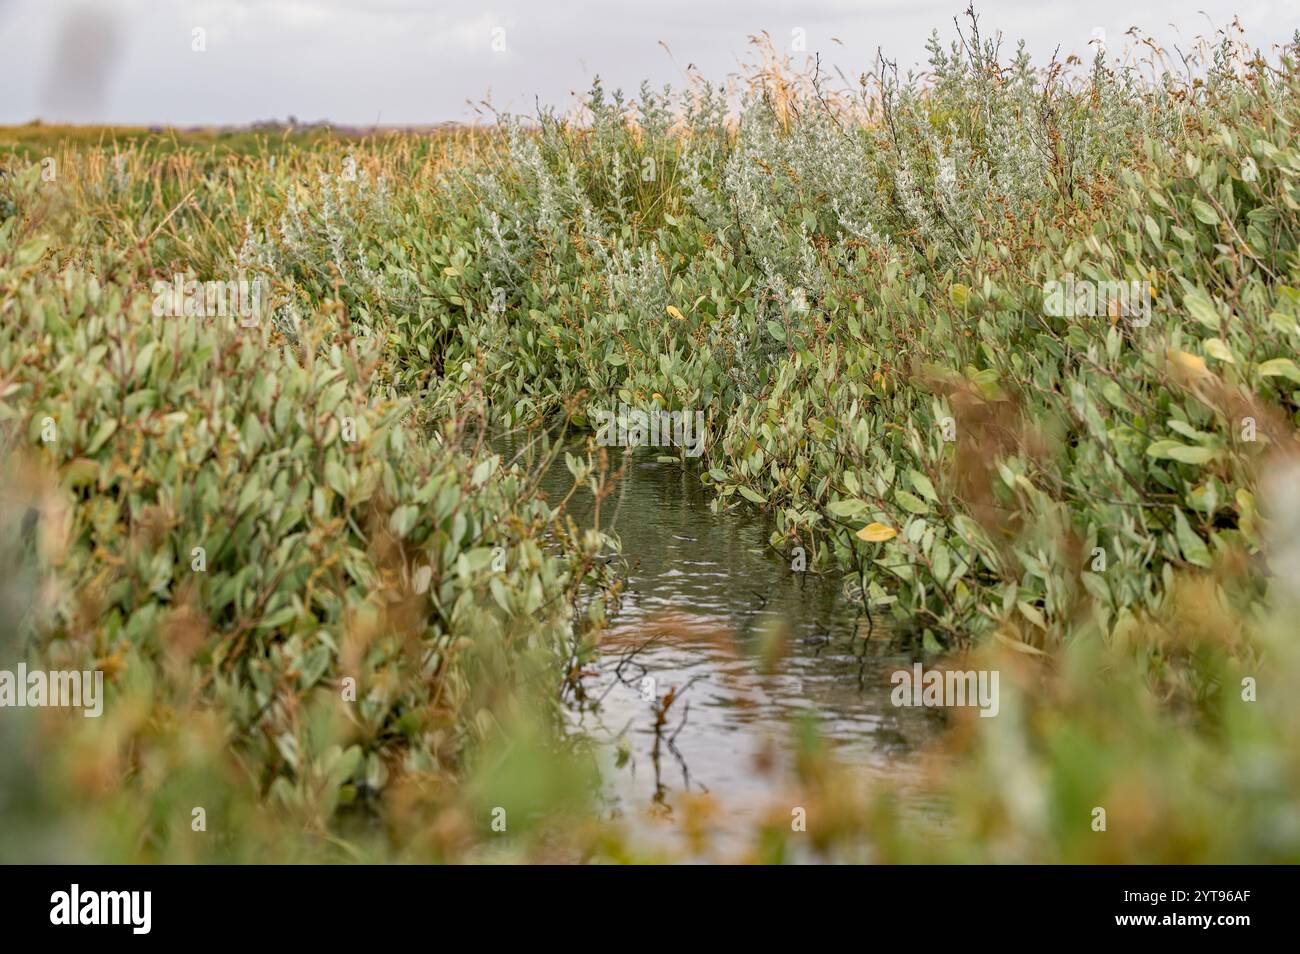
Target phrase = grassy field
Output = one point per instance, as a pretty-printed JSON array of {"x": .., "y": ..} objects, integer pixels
[
  {"x": 36, "y": 140},
  {"x": 1012, "y": 348}
]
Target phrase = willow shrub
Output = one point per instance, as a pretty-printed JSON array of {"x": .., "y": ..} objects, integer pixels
[
  {"x": 852, "y": 288},
  {"x": 308, "y": 609}
]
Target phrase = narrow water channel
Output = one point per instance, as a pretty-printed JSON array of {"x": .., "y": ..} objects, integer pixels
[{"x": 708, "y": 603}]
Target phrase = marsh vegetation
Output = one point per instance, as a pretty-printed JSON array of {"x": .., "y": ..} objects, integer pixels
[{"x": 364, "y": 584}]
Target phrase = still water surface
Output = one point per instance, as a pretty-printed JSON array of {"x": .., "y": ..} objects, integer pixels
[{"x": 707, "y": 600}]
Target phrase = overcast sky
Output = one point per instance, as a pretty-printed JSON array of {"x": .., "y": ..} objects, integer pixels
[{"x": 420, "y": 61}]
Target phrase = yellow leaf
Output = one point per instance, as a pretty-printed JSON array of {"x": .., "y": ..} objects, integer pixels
[
  {"x": 672, "y": 310},
  {"x": 1191, "y": 363},
  {"x": 877, "y": 533}
]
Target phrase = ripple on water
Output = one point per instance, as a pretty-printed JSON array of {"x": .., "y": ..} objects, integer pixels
[{"x": 702, "y": 587}]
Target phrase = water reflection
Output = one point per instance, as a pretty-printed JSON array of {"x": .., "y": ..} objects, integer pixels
[{"x": 719, "y": 649}]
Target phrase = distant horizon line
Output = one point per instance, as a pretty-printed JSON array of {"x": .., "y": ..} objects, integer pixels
[{"x": 255, "y": 126}]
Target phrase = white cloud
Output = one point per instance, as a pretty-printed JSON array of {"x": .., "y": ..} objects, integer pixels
[{"x": 419, "y": 61}]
